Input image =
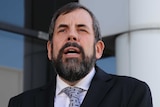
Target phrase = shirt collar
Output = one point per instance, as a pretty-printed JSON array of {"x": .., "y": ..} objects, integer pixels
[{"x": 84, "y": 83}]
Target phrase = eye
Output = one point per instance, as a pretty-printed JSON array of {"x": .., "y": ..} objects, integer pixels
[
  {"x": 61, "y": 30},
  {"x": 83, "y": 30}
]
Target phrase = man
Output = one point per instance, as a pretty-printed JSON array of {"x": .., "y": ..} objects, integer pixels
[{"x": 74, "y": 46}]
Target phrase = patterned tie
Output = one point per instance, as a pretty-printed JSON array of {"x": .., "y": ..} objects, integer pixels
[{"x": 73, "y": 94}]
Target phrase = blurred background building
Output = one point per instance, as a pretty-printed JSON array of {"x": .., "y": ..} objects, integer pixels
[{"x": 130, "y": 29}]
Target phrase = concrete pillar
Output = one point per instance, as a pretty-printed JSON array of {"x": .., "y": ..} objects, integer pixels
[{"x": 138, "y": 51}]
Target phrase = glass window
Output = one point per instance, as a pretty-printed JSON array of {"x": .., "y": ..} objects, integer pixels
[
  {"x": 11, "y": 50},
  {"x": 108, "y": 64},
  {"x": 12, "y": 12}
]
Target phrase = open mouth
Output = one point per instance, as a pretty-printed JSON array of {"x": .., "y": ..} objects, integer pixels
[{"x": 71, "y": 50}]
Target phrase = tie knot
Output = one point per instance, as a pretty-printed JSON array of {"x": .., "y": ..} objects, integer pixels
[
  {"x": 73, "y": 94},
  {"x": 72, "y": 91}
]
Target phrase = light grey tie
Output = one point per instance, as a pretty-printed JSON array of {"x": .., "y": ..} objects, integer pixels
[{"x": 73, "y": 94}]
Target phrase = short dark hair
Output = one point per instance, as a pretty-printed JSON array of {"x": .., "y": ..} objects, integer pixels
[{"x": 69, "y": 8}]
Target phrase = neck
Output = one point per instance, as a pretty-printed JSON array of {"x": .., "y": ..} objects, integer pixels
[{"x": 70, "y": 83}]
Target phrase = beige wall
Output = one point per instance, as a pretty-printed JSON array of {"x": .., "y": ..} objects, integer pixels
[{"x": 10, "y": 84}]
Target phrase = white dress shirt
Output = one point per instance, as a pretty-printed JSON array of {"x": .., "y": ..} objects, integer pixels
[{"x": 61, "y": 99}]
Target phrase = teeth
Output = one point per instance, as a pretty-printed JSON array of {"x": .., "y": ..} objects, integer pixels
[{"x": 71, "y": 51}]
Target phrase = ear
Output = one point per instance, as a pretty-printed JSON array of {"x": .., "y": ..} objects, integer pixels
[
  {"x": 99, "y": 49},
  {"x": 49, "y": 48}
]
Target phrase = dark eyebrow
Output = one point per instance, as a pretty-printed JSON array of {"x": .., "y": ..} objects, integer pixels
[
  {"x": 62, "y": 25},
  {"x": 66, "y": 26},
  {"x": 81, "y": 25}
]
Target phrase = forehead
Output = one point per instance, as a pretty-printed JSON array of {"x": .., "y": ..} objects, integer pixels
[{"x": 78, "y": 16}]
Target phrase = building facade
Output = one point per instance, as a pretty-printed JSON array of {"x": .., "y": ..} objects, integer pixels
[{"x": 130, "y": 30}]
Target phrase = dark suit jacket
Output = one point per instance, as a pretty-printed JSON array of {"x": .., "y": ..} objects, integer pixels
[{"x": 106, "y": 90}]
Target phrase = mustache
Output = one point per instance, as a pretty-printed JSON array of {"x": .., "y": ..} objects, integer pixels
[{"x": 73, "y": 44}]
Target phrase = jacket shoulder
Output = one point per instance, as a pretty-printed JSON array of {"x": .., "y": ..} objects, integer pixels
[
  {"x": 27, "y": 98},
  {"x": 124, "y": 84},
  {"x": 127, "y": 81}
]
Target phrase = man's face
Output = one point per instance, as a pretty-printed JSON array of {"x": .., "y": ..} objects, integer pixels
[{"x": 74, "y": 50}]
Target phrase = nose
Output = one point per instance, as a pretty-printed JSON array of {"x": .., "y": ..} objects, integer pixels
[{"x": 72, "y": 36}]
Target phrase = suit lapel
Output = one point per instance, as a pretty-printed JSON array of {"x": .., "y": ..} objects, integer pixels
[
  {"x": 46, "y": 96},
  {"x": 98, "y": 89}
]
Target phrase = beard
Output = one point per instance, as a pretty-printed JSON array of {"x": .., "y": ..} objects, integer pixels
[{"x": 73, "y": 69}]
